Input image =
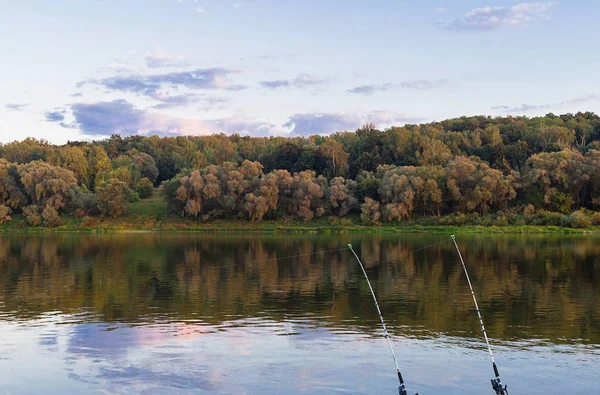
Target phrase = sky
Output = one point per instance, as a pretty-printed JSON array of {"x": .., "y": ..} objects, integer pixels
[{"x": 83, "y": 70}]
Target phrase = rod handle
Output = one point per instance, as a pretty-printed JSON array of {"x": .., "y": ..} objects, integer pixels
[{"x": 400, "y": 378}]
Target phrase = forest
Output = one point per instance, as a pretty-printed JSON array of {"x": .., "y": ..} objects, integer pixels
[{"x": 468, "y": 170}]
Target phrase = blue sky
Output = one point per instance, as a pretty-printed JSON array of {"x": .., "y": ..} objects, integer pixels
[{"x": 76, "y": 69}]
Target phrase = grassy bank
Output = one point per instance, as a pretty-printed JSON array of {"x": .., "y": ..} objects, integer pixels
[{"x": 153, "y": 215}]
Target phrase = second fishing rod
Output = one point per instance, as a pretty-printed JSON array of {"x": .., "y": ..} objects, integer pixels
[
  {"x": 497, "y": 385},
  {"x": 496, "y": 382}
]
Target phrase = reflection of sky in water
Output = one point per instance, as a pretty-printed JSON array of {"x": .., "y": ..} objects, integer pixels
[{"x": 257, "y": 356}]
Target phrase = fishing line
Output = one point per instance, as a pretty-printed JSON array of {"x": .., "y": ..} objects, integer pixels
[{"x": 496, "y": 383}]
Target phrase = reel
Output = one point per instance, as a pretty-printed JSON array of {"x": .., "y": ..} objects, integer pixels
[{"x": 497, "y": 386}]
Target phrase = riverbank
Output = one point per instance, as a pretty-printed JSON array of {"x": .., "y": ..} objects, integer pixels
[
  {"x": 153, "y": 215},
  {"x": 153, "y": 224}
]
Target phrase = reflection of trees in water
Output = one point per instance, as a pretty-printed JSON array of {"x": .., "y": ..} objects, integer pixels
[{"x": 541, "y": 287}]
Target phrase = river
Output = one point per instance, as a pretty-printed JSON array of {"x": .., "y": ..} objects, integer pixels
[{"x": 292, "y": 314}]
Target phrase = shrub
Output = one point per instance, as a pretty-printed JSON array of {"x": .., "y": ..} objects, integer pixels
[
  {"x": 529, "y": 210},
  {"x": 5, "y": 213},
  {"x": 561, "y": 202},
  {"x": 546, "y": 218},
  {"x": 32, "y": 215},
  {"x": 51, "y": 217},
  {"x": 113, "y": 197},
  {"x": 145, "y": 188},
  {"x": 371, "y": 212},
  {"x": 596, "y": 219},
  {"x": 580, "y": 220},
  {"x": 501, "y": 220},
  {"x": 83, "y": 203}
]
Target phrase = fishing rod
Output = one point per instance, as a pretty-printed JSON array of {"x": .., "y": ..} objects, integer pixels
[
  {"x": 496, "y": 383},
  {"x": 402, "y": 387}
]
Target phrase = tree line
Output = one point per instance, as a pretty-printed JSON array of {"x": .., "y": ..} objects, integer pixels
[{"x": 464, "y": 166}]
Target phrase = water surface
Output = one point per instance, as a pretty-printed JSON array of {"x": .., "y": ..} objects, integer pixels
[{"x": 230, "y": 314}]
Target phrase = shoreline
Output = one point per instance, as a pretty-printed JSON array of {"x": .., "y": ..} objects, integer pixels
[{"x": 224, "y": 226}]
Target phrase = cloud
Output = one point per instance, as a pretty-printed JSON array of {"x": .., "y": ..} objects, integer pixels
[
  {"x": 122, "y": 117},
  {"x": 57, "y": 115},
  {"x": 16, "y": 106},
  {"x": 168, "y": 101},
  {"x": 539, "y": 107},
  {"x": 495, "y": 18},
  {"x": 327, "y": 123},
  {"x": 274, "y": 84},
  {"x": 214, "y": 78},
  {"x": 368, "y": 90},
  {"x": 163, "y": 60},
  {"x": 307, "y": 80},
  {"x": 106, "y": 118},
  {"x": 154, "y": 85},
  {"x": 200, "y": 10},
  {"x": 301, "y": 81}
]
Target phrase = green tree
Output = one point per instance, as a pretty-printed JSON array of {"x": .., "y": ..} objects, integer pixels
[{"x": 145, "y": 188}]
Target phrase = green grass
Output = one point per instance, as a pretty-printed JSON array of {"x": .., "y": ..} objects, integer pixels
[
  {"x": 153, "y": 206},
  {"x": 152, "y": 214}
]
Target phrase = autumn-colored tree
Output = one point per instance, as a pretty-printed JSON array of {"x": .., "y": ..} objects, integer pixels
[
  {"x": 5, "y": 213},
  {"x": 98, "y": 162},
  {"x": 122, "y": 173},
  {"x": 473, "y": 185},
  {"x": 26, "y": 151},
  {"x": 560, "y": 176},
  {"x": 11, "y": 194},
  {"x": 71, "y": 158},
  {"x": 273, "y": 188},
  {"x": 306, "y": 195},
  {"x": 113, "y": 197},
  {"x": 432, "y": 152},
  {"x": 47, "y": 185},
  {"x": 370, "y": 212},
  {"x": 190, "y": 193},
  {"x": 256, "y": 207},
  {"x": 32, "y": 215},
  {"x": 406, "y": 188},
  {"x": 50, "y": 216},
  {"x": 557, "y": 136},
  {"x": 398, "y": 192},
  {"x": 341, "y": 196}
]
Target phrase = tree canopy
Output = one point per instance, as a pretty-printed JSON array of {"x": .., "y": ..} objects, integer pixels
[{"x": 465, "y": 165}]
